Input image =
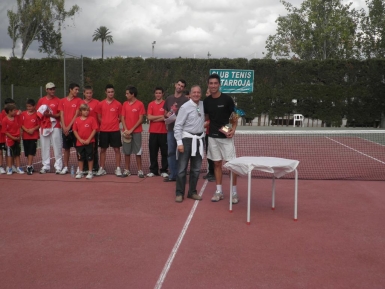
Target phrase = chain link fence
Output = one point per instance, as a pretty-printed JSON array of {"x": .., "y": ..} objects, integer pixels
[{"x": 20, "y": 94}]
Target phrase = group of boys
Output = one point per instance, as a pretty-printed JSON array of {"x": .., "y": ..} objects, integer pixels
[{"x": 86, "y": 123}]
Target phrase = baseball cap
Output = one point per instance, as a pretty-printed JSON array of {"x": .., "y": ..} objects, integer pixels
[
  {"x": 50, "y": 85},
  {"x": 126, "y": 139}
]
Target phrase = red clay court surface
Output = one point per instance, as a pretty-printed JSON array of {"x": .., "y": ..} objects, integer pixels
[{"x": 58, "y": 232}]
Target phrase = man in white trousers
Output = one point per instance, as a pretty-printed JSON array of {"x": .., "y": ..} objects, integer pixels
[{"x": 50, "y": 129}]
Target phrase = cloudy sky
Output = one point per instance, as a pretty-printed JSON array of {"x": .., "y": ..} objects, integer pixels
[{"x": 181, "y": 28}]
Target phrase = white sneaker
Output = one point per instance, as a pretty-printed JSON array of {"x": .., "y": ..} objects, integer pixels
[
  {"x": 235, "y": 198},
  {"x": 64, "y": 171},
  {"x": 217, "y": 196},
  {"x": 2, "y": 171},
  {"x": 19, "y": 171},
  {"x": 150, "y": 175},
  {"x": 14, "y": 170},
  {"x": 9, "y": 171},
  {"x": 44, "y": 171},
  {"x": 89, "y": 175},
  {"x": 101, "y": 172},
  {"x": 118, "y": 172},
  {"x": 164, "y": 175},
  {"x": 79, "y": 175}
]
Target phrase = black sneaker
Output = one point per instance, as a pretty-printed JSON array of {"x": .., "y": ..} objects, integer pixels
[
  {"x": 29, "y": 170},
  {"x": 209, "y": 177}
]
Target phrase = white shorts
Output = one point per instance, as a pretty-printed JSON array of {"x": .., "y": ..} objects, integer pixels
[{"x": 221, "y": 149}]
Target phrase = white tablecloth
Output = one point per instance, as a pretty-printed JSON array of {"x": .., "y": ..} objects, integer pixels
[{"x": 277, "y": 166}]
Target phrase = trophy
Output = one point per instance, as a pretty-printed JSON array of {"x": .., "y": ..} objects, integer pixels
[{"x": 233, "y": 120}]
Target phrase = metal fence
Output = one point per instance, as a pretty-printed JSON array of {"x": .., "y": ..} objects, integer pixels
[{"x": 20, "y": 94}]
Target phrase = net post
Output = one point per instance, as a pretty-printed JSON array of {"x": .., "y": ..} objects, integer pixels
[
  {"x": 295, "y": 195},
  {"x": 273, "y": 195},
  {"x": 64, "y": 58}
]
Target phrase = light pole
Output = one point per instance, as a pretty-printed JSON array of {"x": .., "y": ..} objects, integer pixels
[
  {"x": 208, "y": 55},
  {"x": 153, "y": 46}
]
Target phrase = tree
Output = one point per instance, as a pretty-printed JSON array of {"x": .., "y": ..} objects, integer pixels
[
  {"x": 372, "y": 36},
  {"x": 13, "y": 29},
  {"x": 319, "y": 29},
  {"x": 104, "y": 35},
  {"x": 39, "y": 20}
]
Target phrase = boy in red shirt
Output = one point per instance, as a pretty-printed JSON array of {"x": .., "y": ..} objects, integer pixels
[
  {"x": 69, "y": 111},
  {"x": 11, "y": 129},
  {"x": 84, "y": 129},
  {"x": 92, "y": 104},
  {"x": 2, "y": 146},
  {"x": 2, "y": 135},
  {"x": 30, "y": 126},
  {"x": 50, "y": 129},
  {"x": 158, "y": 134},
  {"x": 132, "y": 119},
  {"x": 109, "y": 115}
]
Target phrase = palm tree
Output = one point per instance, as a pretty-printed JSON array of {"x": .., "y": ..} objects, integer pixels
[{"x": 103, "y": 34}]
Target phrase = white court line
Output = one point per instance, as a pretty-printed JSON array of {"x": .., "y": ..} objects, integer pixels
[
  {"x": 167, "y": 266},
  {"x": 356, "y": 151}
]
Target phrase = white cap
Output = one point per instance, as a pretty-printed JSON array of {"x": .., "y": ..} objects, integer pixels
[{"x": 50, "y": 85}]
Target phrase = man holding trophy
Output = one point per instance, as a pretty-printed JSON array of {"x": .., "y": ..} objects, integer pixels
[{"x": 223, "y": 115}]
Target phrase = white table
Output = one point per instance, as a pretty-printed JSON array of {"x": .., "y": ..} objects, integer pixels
[{"x": 277, "y": 166}]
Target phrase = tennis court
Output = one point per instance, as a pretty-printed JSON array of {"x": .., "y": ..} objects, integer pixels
[{"x": 58, "y": 232}]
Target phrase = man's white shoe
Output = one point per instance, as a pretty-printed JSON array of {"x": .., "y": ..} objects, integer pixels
[
  {"x": 19, "y": 171},
  {"x": 79, "y": 175},
  {"x": 217, "y": 196},
  {"x": 101, "y": 172},
  {"x": 118, "y": 172},
  {"x": 64, "y": 171},
  {"x": 89, "y": 175},
  {"x": 44, "y": 171},
  {"x": 2, "y": 171},
  {"x": 164, "y": 175}
]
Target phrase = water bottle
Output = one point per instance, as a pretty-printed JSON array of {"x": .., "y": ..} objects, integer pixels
[{"x": 72, "y": 172}]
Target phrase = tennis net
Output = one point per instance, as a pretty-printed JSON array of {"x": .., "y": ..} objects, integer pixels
[{"x": 323, "y": 154}]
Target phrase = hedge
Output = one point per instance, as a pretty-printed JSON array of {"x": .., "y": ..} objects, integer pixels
[{"x": 326, "y": 90}]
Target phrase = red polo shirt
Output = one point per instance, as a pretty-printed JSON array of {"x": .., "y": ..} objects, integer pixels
[
  {"x": 53, "y": 104},
  {"x": 110, "y": 113},
  {"x": 131, "y": 113},
  {"x": 156, "y": 110},
  {"x": 30, "y": 121},
  {"x": 70, "y": 108},
  {"x": 84, "y": 128}
]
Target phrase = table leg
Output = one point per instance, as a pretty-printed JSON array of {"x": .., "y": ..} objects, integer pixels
[
  {"x": 231, "y": 189},
  {"x": 273, "y": 195},
  {"x": 248, "y": 197},
  {"x": 295, "y": 195}
]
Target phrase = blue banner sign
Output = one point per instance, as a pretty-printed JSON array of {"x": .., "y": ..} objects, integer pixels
[{"x": 235, "y": 80}]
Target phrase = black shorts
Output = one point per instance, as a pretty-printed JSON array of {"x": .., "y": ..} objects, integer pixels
[
  {"x": 96, "y": 137},
  {"x": 3, "y": 147},
  {"x": 110, "y": 138},
  {"x": 30, "y": 146},
  {"x": 14, "y": 151},
  {"x": 85, "y": 152},
  {"x": 69, "y": 140}
]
